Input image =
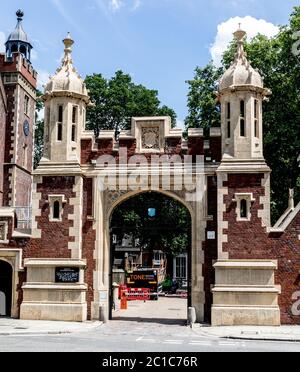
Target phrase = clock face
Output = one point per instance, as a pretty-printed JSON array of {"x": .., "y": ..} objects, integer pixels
[{"x": 26, "y": 128}]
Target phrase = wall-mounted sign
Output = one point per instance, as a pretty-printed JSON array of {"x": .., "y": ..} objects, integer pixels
[
  {"x": 67, "y": 275},
  {"x": 211, "y": 235}
]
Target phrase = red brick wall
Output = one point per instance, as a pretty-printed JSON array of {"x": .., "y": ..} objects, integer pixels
[
  {"x": 2, "y": 136},
  {"x": 19, "y": 64},
  {"x": 23, "y": 188},
  {"x": 22, "y": 140},
  {"x": 88, "y": 241},
  {"x": 55, "y": 235},
  {"x": 15, "y": 102},
  {"x": 249, "y": 240}
]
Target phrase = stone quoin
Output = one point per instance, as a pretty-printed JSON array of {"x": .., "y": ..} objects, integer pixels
[{"x": 55, "y": 220}]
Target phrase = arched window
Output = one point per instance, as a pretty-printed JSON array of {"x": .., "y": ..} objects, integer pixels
[
  {"x": 56, "y": 210},
  {"x": 242, "y": 119},
  {"x": 74, "y": 114},
  {"x": 23, "y": 51},
  {"x": 244, "y": 209},
  {"x": 14, "y": 48},
  {"x": 60, "y": 121},
  {"x": 73, "y": 133},
  {"x": 228, "y": 118},
  {"x": 59, "y": 132},
  {"x": 60, "y": 114}
]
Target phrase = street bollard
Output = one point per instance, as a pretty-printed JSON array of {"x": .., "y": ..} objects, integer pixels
[
  {"x": 123, "y": 300},
  {"x": 192, "y": 318},
  {"x": 116, "y": 302},
  {"x": 103, "y": 316}
]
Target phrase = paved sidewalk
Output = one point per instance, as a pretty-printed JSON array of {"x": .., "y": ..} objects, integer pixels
[
  {"x": 283, "y": 333},
  {"x": 29, "y": 327},
  {"x": 164, "y": 311}
]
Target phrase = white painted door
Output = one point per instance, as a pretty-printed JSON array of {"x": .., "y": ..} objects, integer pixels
[{"x": 2, "y": 304}]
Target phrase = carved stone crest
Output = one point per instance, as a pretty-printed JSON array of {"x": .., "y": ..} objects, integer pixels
[{"x": 150, "y": 138}]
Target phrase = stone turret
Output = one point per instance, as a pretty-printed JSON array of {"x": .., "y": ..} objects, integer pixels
[
  {"x": 241, "y": 93},
  {"x": 65, "y": 98}
]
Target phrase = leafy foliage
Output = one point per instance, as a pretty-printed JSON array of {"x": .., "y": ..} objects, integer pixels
[
  {"x": 169, "y": 230},
  {"x": 117, "y": 100},
  {"x": 39, "y": 132},
  {"x": 281, "y": 71},
  {"x": 204, "y": 112}
]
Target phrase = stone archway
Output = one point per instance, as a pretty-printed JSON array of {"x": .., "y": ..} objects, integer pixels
[
  {"x": 6, "y": 288},
  {"x": 105, "y": 203},
  {"x": 141, "y": 258}
]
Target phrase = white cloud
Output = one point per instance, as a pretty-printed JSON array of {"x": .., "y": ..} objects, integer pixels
[
  {"x": 2, "y": 42},
  {"x": 249, "y": 24},
  {"x": 115, "y": 4},
  {"x": 43, "y": 78}
]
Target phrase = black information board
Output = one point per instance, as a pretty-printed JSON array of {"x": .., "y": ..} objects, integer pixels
[{"x": 67, "y": 275}]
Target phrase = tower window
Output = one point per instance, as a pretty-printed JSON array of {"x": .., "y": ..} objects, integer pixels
[
  {"x": 256, "y": 118},
  {"x": 14, "y": 48},
  {"x": 83, "y": 117},
  {"x": 242, "y": 119},
  {"x": 73, "y": 133},
  {"x": 23, "y": 51},
  {"x": 243, "y": 206},
  {"x": 228, "y": 117},
  {"x": 56, "y": 203},
  {"x": 59, "y": 125},
  {"x": 60, "y": 114},
  {"x": 59, "y": 132},
  {"x": 56, "y": 210},
  {"x": 26, "y": 105},
  {"x": 244, "y": 209},
  {"x": 74, "y": 115}
]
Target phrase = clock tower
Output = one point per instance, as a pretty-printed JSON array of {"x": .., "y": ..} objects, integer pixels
[{"x": 19, "y": 82}]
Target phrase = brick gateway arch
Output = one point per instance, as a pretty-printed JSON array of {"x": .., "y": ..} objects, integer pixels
[
  {"x": 170, "y": 182},
  {"x": 111, "y": 172},
  {"x": 244, "y": 271}
]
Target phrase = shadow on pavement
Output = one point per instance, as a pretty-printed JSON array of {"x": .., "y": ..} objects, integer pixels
[{"x": 152, "y": 320}]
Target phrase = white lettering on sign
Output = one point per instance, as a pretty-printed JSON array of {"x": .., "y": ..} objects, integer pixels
[{"x": 296, "y": 305}]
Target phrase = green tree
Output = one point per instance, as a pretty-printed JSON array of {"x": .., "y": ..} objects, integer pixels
[
  {"x": 204, "y": 112},
  {"x": 116, "y": 100},
  {"x": 39, "y": 132},
  {"x": 280, "y": 69},
  {"x": 169, "y": 230}
]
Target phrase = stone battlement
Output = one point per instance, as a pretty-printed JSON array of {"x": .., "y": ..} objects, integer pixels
[{"x": 18, "y": 64}]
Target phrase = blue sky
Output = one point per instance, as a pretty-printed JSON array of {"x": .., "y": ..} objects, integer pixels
[{"x": 159, "y": 42}]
